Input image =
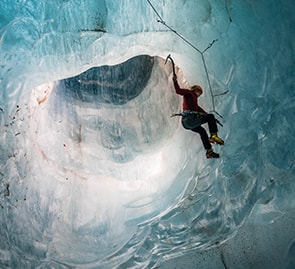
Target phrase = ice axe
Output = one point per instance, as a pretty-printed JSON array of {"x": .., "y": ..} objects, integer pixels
[{"x": 173, "y": 65}]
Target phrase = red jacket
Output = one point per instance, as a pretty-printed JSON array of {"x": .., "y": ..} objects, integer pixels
[{"x": 190, "y": 100}]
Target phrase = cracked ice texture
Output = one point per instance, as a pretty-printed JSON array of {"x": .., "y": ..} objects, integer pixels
[{"x": 94, "y": 172}]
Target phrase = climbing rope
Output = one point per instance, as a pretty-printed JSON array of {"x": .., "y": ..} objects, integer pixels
[{"x": 160, "y": 20}]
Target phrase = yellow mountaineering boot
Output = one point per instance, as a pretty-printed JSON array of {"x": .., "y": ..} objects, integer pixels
[
  {"x": 216, "y": 139},
  {"x": 211, "y": 154}
]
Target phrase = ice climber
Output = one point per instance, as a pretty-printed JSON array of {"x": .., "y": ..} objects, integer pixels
[{"x": 193, "y": 116}]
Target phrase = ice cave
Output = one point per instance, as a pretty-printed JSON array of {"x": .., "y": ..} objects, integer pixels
[{"x": 94, "y": 171}]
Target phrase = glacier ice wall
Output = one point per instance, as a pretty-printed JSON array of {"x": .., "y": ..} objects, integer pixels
[{"x": 94, "y": 172}]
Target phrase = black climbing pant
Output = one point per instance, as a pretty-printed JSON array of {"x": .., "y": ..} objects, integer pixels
[{"x": 193, "y": 122}]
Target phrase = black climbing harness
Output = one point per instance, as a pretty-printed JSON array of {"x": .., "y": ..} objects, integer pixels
[
  {"x": 195, "y": 114},
  {"x": 188, "y": 113}
]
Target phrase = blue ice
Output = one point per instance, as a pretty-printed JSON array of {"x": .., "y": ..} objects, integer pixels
[{"x": 94, "y": 171}]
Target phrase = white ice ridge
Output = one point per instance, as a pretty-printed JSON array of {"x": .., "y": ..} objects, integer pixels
[{"x": 94, "y": 173}]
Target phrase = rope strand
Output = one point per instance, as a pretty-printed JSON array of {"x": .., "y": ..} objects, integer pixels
[
  {"x": 183, "y": 38},
  {"x": 194, "y": 47},
  {"x": 155, "y": 10}
]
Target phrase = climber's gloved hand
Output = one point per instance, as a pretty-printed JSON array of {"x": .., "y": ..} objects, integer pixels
[{"x": 174, "y": 78}]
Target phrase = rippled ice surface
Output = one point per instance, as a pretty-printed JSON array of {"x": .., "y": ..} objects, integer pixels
[{"x": 94, "y": 171}]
